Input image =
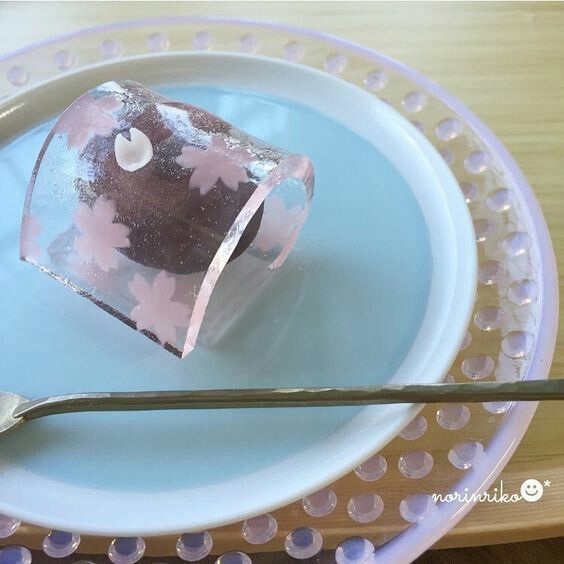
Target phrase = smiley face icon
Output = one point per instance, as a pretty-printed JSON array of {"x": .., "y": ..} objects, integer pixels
[{"x": 531, "y": 490}]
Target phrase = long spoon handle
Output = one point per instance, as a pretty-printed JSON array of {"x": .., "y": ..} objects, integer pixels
[{"x": 531, "y": 390}]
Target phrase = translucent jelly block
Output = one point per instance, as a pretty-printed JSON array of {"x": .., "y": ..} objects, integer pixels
[{"x": 164, "y": 215}]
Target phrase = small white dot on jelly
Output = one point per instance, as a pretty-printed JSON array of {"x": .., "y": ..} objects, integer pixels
[
  {"x": 365, "y": 507},
  {"x": 60, "y": 544},
  {"x": 157, "y": 42},
  {"x": 449, "y": 379},
  {"x": 192, "y": 547},
  {"x": 478, "y": 367},
  {"x": 484, "y": 229},
  {"x": 489, "y": 272},
  {"x": 516, "y": 244},
  {"x": 335, "y": 63},
  {"x": 15, "y": 555},
  {"x": 477, "y": 162},
  {"x": 234, "y": 557},
  {"x": 465, "y": 454},
  {"x": 294, "y": 51},
  {"x": 447, "y": 155},
  {"x": 303, "y": 543},
  {"x": 416, "y": 429},
  {"x": 497, "y": 407},
  {"x": 111, "y": 48},
  {"x": 126, "y": 550},
  {"x": 500, "y": 200},
  {"x": 523, "y": 292},
  {"x": 372, "y": 469},
  {"x": 489, "y": 318},
  {"x": 259, "y": 530},
  {"x": 467, "y": 341},
  {"x": 249, "y": 43},
  {"x": 414, "y": 102},
  {"x": 320, "y": 503},
  {"x": 203, "y": 40},
  {"x": 517, "y": 344},
  {"x": 134, "y": 153},
  {"x": 448, "y": 129},
  {"x": 376, "y": 80},
  {"x": 355, "y": 550},
  {"x": 415, "y": 464},
  {"x": 417, "y": 507},
  {"x": 453, "y": 417},
  {"x": 17, "y": 75},
  {"x": 8, "y": 526},
  {"x": 64, "y": 59},
  {"x": 470, "y": 191}
]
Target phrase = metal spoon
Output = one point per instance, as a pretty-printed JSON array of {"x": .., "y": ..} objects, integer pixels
[{"x": 15, "y": 409}]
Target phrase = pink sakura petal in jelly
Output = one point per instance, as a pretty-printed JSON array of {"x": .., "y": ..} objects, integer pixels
[
  {"x": 77, "y": 137},
  {"x": 278, "y": 224},
  {"x": 91, "y": 273},
  {"x": 164, "y": 285},
  {"x": 89, "y": 117},
  {"x": 202, "y": 178},
  {"x": 216, "y": 162},
  {"x": 140, "y": 288},
  {"x": 109, "y": 104},
  {"x": 100, "y": 236},
  {"x": 31, "y": 228},
  {"x": 104, "y": 124},
  {"x": 155, "y": 309},
  {"x": 232, "y": 174}
]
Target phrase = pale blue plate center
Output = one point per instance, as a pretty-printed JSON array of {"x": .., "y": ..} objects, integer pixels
[{"x": 344, "y": 310}]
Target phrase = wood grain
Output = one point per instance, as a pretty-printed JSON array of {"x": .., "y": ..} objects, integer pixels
[{"x": 506, "y": 61}]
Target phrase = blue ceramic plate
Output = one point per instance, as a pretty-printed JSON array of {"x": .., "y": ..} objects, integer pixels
[{"x": 378, "y": 289}]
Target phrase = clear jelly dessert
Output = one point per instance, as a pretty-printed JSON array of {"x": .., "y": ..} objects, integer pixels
[{"x": 166, "y": 216}]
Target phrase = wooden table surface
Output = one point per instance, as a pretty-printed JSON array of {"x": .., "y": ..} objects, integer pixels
[{"x": 506, "y": 62}]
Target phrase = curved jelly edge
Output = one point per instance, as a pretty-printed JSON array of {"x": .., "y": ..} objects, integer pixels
[
  {"x": 37, "y": 165},
  {"x": 293, "y": 166}
]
